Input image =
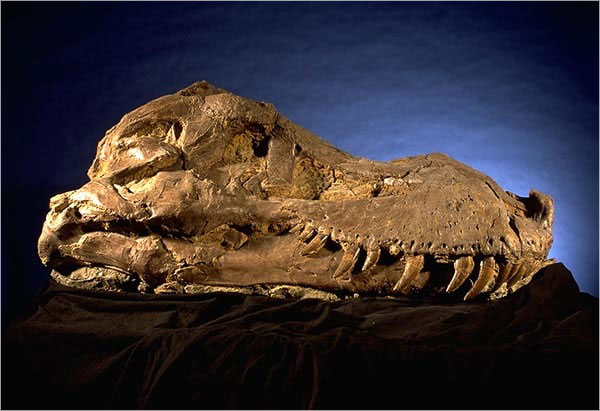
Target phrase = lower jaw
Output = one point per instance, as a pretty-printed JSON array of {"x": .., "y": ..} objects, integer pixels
[
  {"x": 111, "y": 279},
  {"x": 281, "y": 271}
]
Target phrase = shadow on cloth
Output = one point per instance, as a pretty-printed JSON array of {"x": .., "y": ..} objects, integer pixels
[{"x": 537, "y": 348}]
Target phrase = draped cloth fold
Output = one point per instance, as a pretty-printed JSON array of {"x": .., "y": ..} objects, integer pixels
[{"x": 536, "y": 348}]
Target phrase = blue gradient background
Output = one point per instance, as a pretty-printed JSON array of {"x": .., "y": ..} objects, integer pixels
[{"x": 508, "y": 88}]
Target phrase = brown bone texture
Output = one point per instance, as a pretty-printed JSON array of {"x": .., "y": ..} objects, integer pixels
[{"x": 203, "y": 190}]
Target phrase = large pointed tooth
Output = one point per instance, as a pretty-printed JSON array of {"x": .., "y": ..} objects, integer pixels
[
  {"x": 297, "y": 228},
  {"x": 372, "y": 257},
  {"x": 413, "y": 266},
  {"x": 306, "y": 234},
  {"x": 462, "y": 270},
  {"x": 315, "y": 245},
  {"x": 348, "y": 260},
  {"x": 503, "y": 273},
  {"x": 513, "y": 271},
  {"x": 488, "y": 271},
  {"x": 524, "y": 271}
]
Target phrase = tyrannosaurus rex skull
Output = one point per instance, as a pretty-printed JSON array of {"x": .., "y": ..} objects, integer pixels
[{"x": 204, "y": 190}]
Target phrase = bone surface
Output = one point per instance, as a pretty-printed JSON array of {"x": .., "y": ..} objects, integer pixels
[{"x": 206, "y": 190}]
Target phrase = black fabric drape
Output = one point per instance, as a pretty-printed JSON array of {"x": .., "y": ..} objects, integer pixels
[{"x": 537, "y": 348}]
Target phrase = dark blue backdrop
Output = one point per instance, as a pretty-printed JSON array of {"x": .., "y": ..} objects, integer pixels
[{"x": 508, "y": 88}]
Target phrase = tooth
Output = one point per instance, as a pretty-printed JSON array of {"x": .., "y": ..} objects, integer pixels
[
  {"x": 488, "y": 271},
  {"x": 505, "y": 271},
  {"x": 315, "y": 245},
  {"x": 297, "y": 228},
  {"x": 372, "y": 258},
  {"x": 513, "y": 271},
  {"x": 413, "y": 266},
  {"x": 462, "y": 269},
  {"x": 524, "y": 271},
  {"x": 347, "y": 263},
  {"x": 308, "y": 233}
]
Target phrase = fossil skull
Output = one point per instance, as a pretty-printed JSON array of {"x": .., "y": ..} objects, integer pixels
[{"x": 205, "y": 190}]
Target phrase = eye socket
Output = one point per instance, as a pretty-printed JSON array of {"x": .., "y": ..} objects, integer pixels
[
  {"x": 261, "y": 146},
  {"x": 297, "y": 149},
  {"x": 246, "y": 146}
]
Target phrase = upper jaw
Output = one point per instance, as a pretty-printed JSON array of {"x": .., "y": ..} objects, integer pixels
[{"x": 372, "y": 251}]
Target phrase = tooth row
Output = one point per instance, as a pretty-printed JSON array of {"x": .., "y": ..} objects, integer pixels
[
  {"x": 492, "y": 277},
  {"x": 309, "y": 229}
]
